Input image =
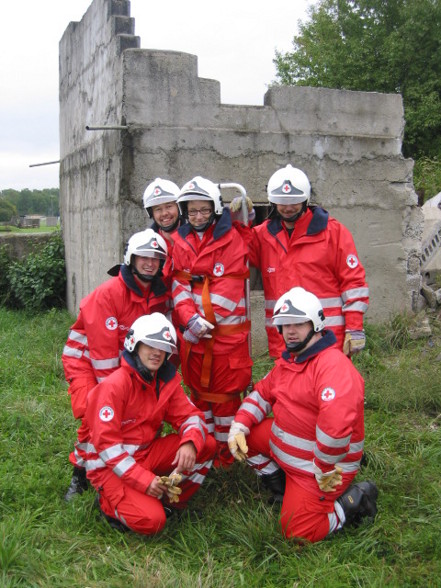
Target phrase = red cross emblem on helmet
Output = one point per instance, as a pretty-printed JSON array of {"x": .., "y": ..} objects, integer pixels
[
  {"x": 155, "y": 244},
  {"x": 286, "y": 188},
  {"x": 284, "y": 307},
  {"x": 191, "y": 186},
  {"x": 157, "y": 191},
  {"x": 167, "y": 335}
]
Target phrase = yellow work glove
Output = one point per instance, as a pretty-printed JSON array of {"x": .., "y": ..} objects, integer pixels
[
  {"x": 329, "y": 480},
  {"x": 354, "y": 342},
  {"x": 236, "y": 441},
  {"x": 172, "y": 482}
]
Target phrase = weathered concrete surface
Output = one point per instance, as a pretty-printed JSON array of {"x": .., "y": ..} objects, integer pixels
[
  {"x": 349, "y": 144},
  {"x": 19, "y": 246}
]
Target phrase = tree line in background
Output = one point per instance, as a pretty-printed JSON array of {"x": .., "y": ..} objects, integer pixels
[
  {"x": 390, "y": 46},
  {"x": 15, "y": 203}
]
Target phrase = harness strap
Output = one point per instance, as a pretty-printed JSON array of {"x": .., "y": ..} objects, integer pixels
[{"x": 219, "y": 330}]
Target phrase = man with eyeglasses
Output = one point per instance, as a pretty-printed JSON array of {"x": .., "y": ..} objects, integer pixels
[{"x": 208, "y": 289}]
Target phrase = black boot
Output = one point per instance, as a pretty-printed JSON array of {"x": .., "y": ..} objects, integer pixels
[
  {"x": 114, "y": 523},
  {"x": 275, "y": 483},
  {"x": 359, "y": 501},
  {"x": 78, "y": 484}
]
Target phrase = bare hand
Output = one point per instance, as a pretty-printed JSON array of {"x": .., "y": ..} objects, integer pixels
[
  {"x": 185, "y": 458},
  {"x": 156, "y": 488}
]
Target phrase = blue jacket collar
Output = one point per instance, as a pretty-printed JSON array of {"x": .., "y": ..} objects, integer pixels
[
  {"x": 157, "y": 286},
  {"x": 318, "y": 223},
  {"x": 222, "y": 225},
  {"x": 165, "y": 373},
  {"x": 326, "y": 341}
]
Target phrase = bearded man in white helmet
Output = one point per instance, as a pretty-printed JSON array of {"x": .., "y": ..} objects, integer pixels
[
  {"x": 308, "y": 454},
  {"x": 302, "y": 245},
  {"x": 96, "y": 339}
]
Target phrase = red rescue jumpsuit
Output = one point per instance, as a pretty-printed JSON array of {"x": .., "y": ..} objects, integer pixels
[
  {"x": 318, "y": 404},
  {"x": 96, "y": 339},
  {"x": 124, "y": 415},
  {"x": 320, "y": 256},
  {"x": 209, "y": 279}
]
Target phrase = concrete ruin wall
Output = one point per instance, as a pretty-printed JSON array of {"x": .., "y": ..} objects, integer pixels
[{"x": 348, "y": 143}]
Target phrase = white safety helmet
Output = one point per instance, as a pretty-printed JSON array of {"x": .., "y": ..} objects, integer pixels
[
  {"x": 154, "y": 330},
  {"x": 299, "y": 306},
  {"x": 146, "y": 244},
  {"x": 289, "y": 185},
  {"x": 201, "y": 189},
  {"x": 159, "y": 192}
]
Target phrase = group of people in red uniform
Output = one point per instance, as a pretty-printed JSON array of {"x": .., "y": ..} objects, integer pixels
[{"x": 179, "y": 299}]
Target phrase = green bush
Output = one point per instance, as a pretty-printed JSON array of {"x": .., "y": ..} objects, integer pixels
[
  {"x": 39, "y": 281},
  {"x": 5, "y": 264}
]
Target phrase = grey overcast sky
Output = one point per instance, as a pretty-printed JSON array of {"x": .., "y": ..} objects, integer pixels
[{"x": 234, "y": 40}]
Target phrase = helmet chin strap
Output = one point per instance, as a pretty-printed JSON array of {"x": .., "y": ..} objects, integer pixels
[
  {"x": 295, "y": 217},
  {"x": 144, "y": 372},
  {"x": 204, "y": 227},
  {"x": 142, "y": 277},
  {"x": 295, "y": 347},
  {"x": 170, "y": 228}
]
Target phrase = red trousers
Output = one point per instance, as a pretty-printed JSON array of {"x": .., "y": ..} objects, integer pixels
[
  {"x": 230, "y": 376},
  {"x": 78, "y": 391},
  {"x": 142, "y": 513},
  {"x": 307, "y": 513}
]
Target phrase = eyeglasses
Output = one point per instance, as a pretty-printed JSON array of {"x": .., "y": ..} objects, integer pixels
[{"x": 201, "y": 211}]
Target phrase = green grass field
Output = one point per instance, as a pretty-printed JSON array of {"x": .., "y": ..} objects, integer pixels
[{"x": 46, "y": 542}]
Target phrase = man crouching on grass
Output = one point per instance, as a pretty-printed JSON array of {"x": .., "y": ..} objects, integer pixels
[
  {"x": 140, "y": 476},
  {"x": 310, "y": 452}
]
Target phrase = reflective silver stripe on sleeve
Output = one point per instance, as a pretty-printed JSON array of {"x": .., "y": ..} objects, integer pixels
[
  {"x": 105, "y": 364},
  {"x": 356, "y": 306},
  {"x": 270, "y": 304},
  {"x": 334, "y": 321},
  {"x": 257, "y": 398},
  {"x": 222, "y": 301},
  {"x": 292, "y": 440},
  {"x": 72, "y": 352},
  {"x": 181, "y": 297},
  {"x": 331, "y": 302},
  {"x": 78, "y": 337},
  {"x": 331, "y": 441},
  {"x": 329, "y": 458},
  {"x": 355, "y": 293},
  {"x": 176, "y": 284},
  {"x": 229, "y": 320},
  {"x": 301, "y": 464},
  {"x": 94, "y": 464},
  {"x": 123, "y": 466},
  {"x": 112, "y": 452},
  {"x": 131, "y": 449}
]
